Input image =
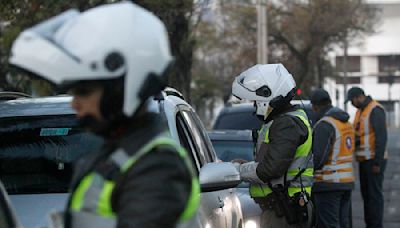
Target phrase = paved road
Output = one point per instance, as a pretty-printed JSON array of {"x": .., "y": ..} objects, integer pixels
[{"x": 391, "y": 187}]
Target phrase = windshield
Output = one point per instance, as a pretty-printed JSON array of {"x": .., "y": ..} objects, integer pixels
[
  {"x": 37, "y": 153},
  {"x": 238, "y": 121},
  {"x": 228, "y": 150}
]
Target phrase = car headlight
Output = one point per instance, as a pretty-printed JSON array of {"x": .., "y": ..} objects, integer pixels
[{"x": 250, "y": 224}]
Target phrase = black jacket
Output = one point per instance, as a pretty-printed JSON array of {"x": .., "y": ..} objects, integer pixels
[
  {"x": 378, "y": 123},
  {"x": 324, "y": 137},
  {"x": 285, "y": 135},
  {"x": 155, "y": 190}
]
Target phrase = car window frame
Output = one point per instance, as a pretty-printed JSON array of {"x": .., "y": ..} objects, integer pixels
[
  {"x": 206, "y": 138},
  {"x": 198, "y": 137},
  {"x": 187, "y": 142}
]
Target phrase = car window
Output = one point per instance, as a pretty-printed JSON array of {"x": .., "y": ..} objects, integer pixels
[
  {"x": 37, "y": 153},
  {"x": 228, "y": 150},
  {"x": 187, "y": 142},
  {"x": 205, "y": 137},
  {"x": 198, "y": 136},
  {"x": 238, "y": 121}
]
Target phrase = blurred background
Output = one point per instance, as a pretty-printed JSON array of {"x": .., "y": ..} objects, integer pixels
[{"x": 334, "y": 44}]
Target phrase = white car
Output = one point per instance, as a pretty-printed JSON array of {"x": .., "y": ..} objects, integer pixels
[
  {"x": 220, "y": 206},
  {"x": 239, "y": 144},
  {"x": 43, "y": 134}
]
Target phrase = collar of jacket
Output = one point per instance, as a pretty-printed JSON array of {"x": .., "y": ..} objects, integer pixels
[
  {"x": 368, "y": 99},
  {"x": 323, "y": 112},
  {"x": 277, "y": 112}
]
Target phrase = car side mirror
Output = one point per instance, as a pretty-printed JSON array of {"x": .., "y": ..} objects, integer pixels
[{"x": 218, "y": 176}]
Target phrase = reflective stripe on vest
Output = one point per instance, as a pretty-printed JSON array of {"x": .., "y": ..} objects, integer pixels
[
  {"x": 339, "y": 167},
  {"x": 91, "y": 201},
  {"x": 366, "y": 150},
  {"x": 300, "y": 160}
]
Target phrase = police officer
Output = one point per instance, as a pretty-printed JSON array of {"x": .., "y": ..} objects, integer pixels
[
  {"x": 333, "y": 147},
  {"x": 112, "y": 58},
  {"x": 371, "y": 139},
  {"x": 282, "y": 173}
]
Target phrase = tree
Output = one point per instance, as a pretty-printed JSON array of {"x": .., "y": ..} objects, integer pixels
[
  {"x": 17, "y": 15},
  {"x": 302, "y": 32},
  {"x": 177, "y": 15},
  {"x": 227, "y": 44}
]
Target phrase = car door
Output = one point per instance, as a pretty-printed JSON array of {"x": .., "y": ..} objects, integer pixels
[
  {"x": 7, "y": 215},
  {"x": 211, "y": 205},
  {"x": 228, "y": 197},
  {"x": 219, "y": 206}
]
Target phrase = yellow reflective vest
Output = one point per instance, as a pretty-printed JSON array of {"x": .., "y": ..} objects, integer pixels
[
  {"x": 366, "y": 134},
  {"x": 300, "y": 160},
  {"x": 339, "y": 167},
  {"x": 91, "y": 201}
]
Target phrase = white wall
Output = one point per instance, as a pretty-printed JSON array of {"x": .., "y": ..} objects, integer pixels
[{"x": 386, "y": 40}]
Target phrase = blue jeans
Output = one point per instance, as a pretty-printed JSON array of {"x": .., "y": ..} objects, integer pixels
[{"x": 333, "y": 209}]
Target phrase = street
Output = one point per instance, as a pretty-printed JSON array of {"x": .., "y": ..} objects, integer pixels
[{"x": 391, "y": 187}]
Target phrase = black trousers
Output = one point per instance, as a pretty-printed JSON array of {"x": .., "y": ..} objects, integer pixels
[
  {"x": 333, "y": 209},
  {"x": 371, "y": 191}
]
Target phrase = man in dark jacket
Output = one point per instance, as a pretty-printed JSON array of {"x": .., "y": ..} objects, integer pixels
[
  {"x": 371, "y": 139},
  {"x": 333, "y": 147},
  {"x": 141, "y": 177},
  {"x": 282, "y": 172}
]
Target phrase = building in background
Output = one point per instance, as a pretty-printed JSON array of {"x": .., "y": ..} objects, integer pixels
[{"x": 374, "y": 65}]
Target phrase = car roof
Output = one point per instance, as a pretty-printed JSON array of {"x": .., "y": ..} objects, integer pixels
[
  {"x": 245, "y": 107},
  {"x": 242, "y": 107},
  {"x": 300, "y": 102},
  {"x": 55, "y": 105},
  {"x": 43, "y": 106},
  {"x": 231, "y": 135}
]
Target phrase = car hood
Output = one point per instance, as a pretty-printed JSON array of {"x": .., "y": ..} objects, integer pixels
[
  {"x": 249, "y": 207},
  {"x": 32, "y": 210}
]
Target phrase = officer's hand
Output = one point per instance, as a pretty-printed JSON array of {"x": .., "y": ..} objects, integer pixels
[
  {"x": 376, "y": 169},
  {"x": 239, "y": 160}
]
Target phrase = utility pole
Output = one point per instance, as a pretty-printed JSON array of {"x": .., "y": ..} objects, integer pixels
[
  {"x": 345, "y": 47},
  {"x": 262, "y": 34}
]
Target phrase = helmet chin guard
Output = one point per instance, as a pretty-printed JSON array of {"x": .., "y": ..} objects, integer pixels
[{"x": 262, "y": 109}]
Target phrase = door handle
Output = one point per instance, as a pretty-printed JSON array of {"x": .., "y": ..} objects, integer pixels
[{"x": 221, "y": 203}]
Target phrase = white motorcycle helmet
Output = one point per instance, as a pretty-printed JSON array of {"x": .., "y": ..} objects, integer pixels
[
  {"x": 108, "y": 42},
  {"x": 269, "y": 85}
]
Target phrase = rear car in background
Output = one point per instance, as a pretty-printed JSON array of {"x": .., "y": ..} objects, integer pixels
[
  {"x": 242, "y": 116},
  {"x": 234, "y": 144}
]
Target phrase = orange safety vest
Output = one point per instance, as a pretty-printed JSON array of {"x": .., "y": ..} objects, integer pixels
[
  {"x": 365, "y": 132},
  {"x": 339, "y": 167}
]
